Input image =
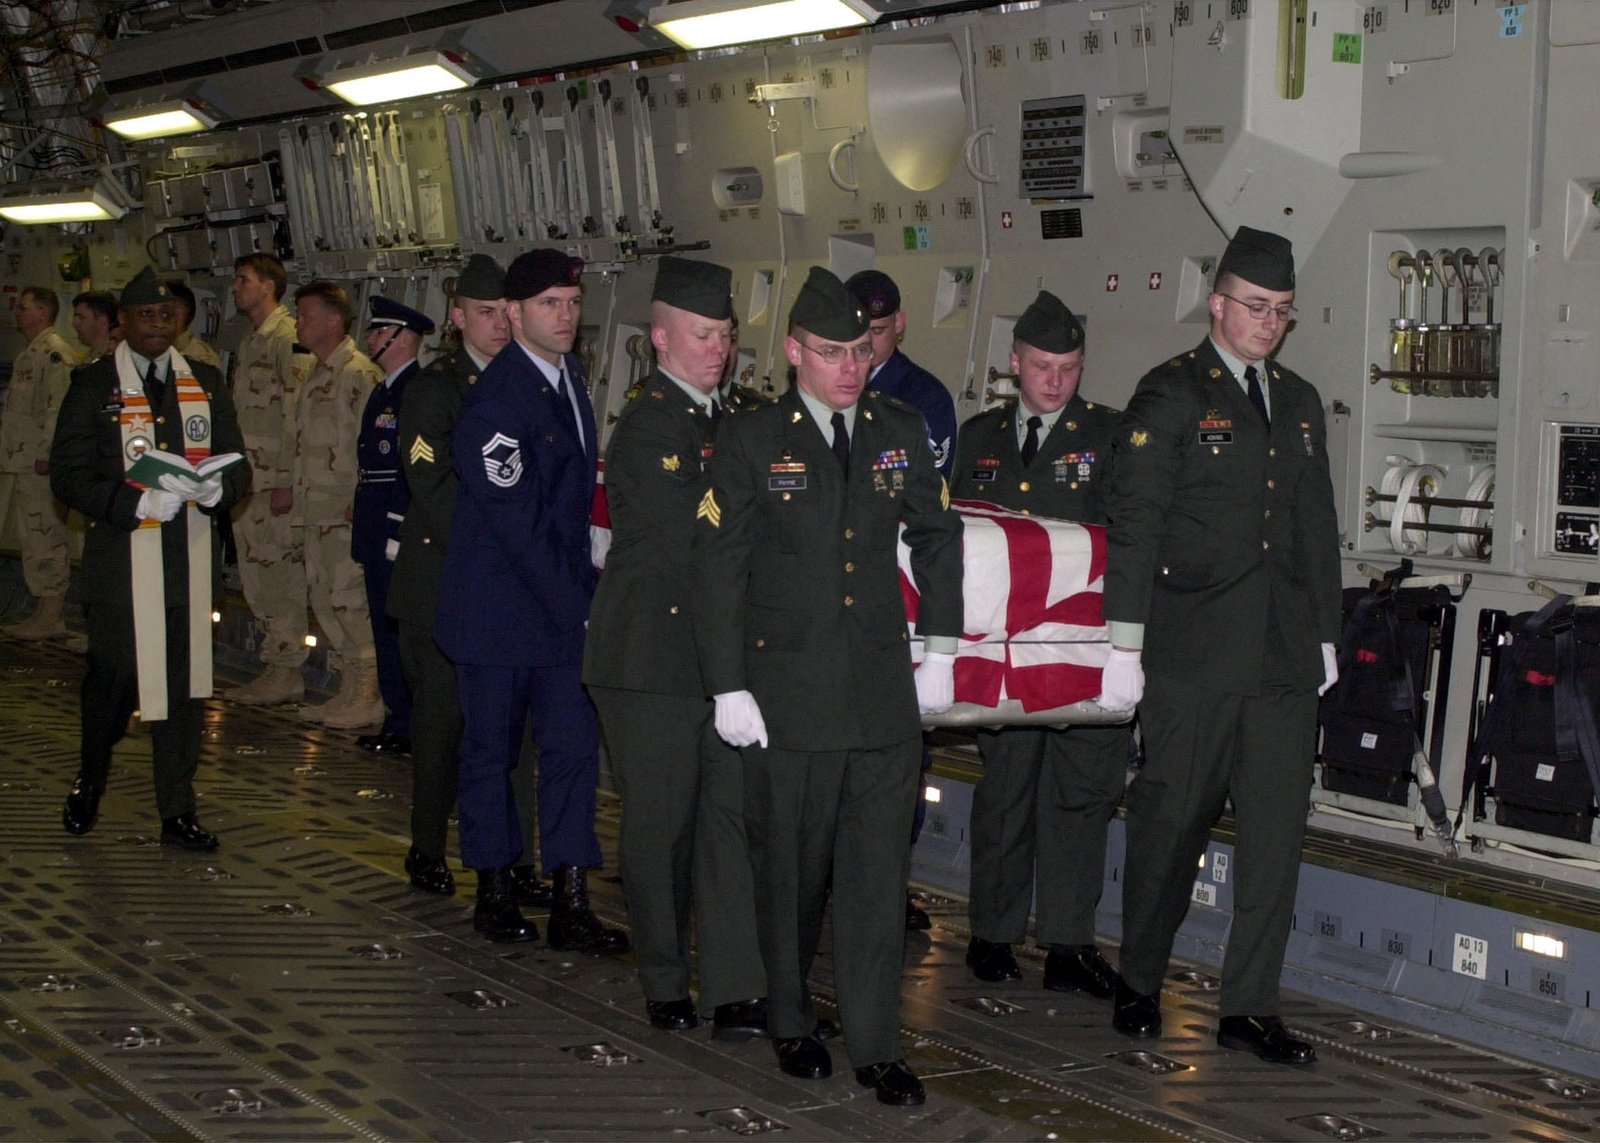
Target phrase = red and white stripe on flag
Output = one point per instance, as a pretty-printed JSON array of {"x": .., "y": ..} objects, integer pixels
[
  {"x": 1032, "y": 628},
  {"x": 599, "y": 520}
]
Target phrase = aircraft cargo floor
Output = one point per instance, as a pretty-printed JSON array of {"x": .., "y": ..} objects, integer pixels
[{"x": 292, "y": 986}]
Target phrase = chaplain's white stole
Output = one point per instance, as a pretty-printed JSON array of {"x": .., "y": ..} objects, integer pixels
[{"x": 148, "y": 579}]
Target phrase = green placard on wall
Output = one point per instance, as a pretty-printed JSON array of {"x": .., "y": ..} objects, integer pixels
[{"x": 1347, "y": 47}]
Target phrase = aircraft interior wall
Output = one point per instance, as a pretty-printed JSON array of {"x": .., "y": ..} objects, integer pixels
[{"x": 1456, "y": 129}]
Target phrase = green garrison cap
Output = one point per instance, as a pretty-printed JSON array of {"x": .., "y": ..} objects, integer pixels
[
  {"x": 703, "y": 288},
  {"x": 1049, "y": 325},
  {"x": 1262, "y": 259},
  {"x": 481, "y": 278},
  {"x": 827, "y": 309},
  {"x": 145, "y": 290}
]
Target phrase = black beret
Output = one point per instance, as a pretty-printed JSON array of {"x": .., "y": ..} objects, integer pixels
[
  {"x": 827, "y": 309},
  {"x": 387, "y": 312},
  {"x": 1262, "y": 259},
  {"x": 876, "y": 291},
  {"x": 1048, "y": 324},
  {"x": 704, "y": 288},
  {"x": 145, "y": 290},
  {"x": 538, "y": 270},
  {"x": 481, "y": 278}
]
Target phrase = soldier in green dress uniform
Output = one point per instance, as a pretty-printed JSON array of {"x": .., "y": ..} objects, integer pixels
[
  {"x": 803, "y": 645},
  {"x": 682, "y": 842},
  {"x": 1222, "y": 589},
  {"x": 1046, "y": 795}
]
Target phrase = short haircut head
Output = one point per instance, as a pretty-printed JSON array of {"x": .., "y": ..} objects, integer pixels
[
  {"x": 268, "y": 268},
  {"x": 100, "y": 302},
  {"x": 44, "y": 297},
  {"x": 330, "y": 294},
  {"x": 184, "y": 296}
]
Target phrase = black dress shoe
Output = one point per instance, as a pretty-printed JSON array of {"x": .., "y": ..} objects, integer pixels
[
  {"x": 1136, "y": 1013},
  {"x": 530, "y": 889},
  {"x": 826, "y": 1029},
  {"x": 1266, "y": 1037},
  {"x": 803, "y": 1057},
  {"x": 186, "y": 831},
  {"x": 916, "y": 916},
  {"x": 385, "y": 743},
  {"x": 81, "y": 809},
  {"x": 1079, "y": 968},
  {"x": 991, "y": 961},
  {"x": 496, "y": 915},
  {"x": 430, "y": 874},
  {"x": 672, "y": 1015},
  {"x": 896, "y": 1084},
  {"x": 739, "y": 1020}
]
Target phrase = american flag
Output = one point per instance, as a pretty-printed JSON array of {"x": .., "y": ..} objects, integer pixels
[
  {"x": 1033, "y": 629},
  {"x": 599, "y": 520}
]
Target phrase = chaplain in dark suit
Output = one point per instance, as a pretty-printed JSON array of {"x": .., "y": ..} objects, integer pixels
[
  {"x": 427, "y": 423},
  {"x": 1040, "y": 812},
  {"x": 149, "y": 557},
  {"x": 685, "y": 861},
  {"x": 803, "y": 645},
  {"x": 513, "y": 602},
  {"x": 1222, "y": 600},
  {"x": 394, "y": 335}
]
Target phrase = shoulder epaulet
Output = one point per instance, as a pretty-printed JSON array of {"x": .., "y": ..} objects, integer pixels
[{"x": 633, "y": 391}]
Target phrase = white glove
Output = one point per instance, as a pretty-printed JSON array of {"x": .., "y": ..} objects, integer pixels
[
  {"x": 155, "y": 504},
  {"x": 738, "y": 720},
  {"x": 204, "y": 492},
  {"x": 186, "y": 487},
  {"x": 936, "y": 682},
  {"x": 1330, "y": 669},
  {"x": 1121, "y": 681},
  {"x": 391, "y": 549}
]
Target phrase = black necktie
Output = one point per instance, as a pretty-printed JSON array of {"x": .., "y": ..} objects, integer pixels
[
  {"x": 1257, "y": 397},
  {"x": 154, "y": 386},
  {"x": 565, "y": 398},
  {"x": 716, "y": 410},
  {"x": 841, "y": 442},
  {"x": 1030, "y": 443}
]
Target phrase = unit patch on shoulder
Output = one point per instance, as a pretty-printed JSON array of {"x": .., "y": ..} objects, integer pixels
[
  {"x": 709, "y": 511},
  {"x": 421, "y": 451},
  {"x": 502, "y": 461}
]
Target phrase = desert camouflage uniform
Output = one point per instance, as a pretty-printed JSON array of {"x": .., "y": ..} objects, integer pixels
[
  {"x": 39, "y": 380},
  {"x": 271, "y": 564},
  {"x": 193, "y": 349},
  {"x": 327, "y": 422}
]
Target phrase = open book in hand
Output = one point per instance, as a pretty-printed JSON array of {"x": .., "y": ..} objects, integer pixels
[{"x": 147, "y": 471}]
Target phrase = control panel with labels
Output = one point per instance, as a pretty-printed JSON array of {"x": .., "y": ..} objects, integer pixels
[{"x": 1576, "y": 524}]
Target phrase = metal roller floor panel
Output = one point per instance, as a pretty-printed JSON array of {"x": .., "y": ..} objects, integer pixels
[{"x": 292, "y": 986}]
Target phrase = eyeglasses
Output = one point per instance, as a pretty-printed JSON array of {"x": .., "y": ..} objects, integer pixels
[
  {"x": 834, "y": 354},
  {"x": 1260, "y": 310}
]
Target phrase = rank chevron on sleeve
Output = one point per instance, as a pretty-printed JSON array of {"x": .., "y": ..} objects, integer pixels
[
  {"x": 421, "y": 451},
  {"x": 709, "y": 511}
]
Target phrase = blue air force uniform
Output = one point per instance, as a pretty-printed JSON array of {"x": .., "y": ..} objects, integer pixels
[
  {"x": 380, "y": 506},
  {"x": 513, "y": 600},
  {"x": 905, "y": 380}
]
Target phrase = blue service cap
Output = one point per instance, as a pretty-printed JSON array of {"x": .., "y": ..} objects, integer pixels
[{"x": 387, "y": 312}]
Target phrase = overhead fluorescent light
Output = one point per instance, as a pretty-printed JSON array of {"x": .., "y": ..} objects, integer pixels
[
  {"x": 154, "y": 120},
  {"x": 698, "y": 24},
  {"x": 389, "y": 81},
  {"x": 58, "y": 202}
]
